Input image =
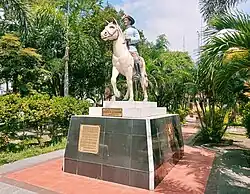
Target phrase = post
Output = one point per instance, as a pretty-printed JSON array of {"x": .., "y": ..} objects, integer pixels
[{"x": 66, "y": 56}]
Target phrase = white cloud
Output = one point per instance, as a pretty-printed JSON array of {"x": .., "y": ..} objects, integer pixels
[
  {"x": 244, "y": 6},
  {"x": 175, "y": 18}
]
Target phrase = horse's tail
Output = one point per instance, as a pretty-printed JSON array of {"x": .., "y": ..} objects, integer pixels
[{"x": 144, "y": 72}]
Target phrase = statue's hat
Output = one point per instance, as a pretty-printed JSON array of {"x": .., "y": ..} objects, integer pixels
[{"x": 130, "y": 18}]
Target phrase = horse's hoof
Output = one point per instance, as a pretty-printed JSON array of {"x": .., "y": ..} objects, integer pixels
[
  {"x": 125, "y": 99},
  {"x": 145, "y": 100},
  {"x": 118, "y": 94}
]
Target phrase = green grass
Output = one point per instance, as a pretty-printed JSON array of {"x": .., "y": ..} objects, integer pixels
[{"x": 8, "y": 157}]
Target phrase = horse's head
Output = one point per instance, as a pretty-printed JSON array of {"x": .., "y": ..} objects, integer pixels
[{"x": 111, "y": 31}]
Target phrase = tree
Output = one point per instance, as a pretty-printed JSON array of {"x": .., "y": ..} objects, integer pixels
[
  {"x": 229, "y": 43},
  {"x": 90, "y": 57},
  {"x": 211, "y": 7},
  {"x": 17, "y": 13},
  {"x": 168, "y": 71},
  {"x": 162, "y": 42},
  {"x": 17, "y": 64},
  {"x": 222, "y": 71}
]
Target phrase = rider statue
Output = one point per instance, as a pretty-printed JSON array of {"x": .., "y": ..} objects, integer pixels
[{"x": 132, "y": 37}]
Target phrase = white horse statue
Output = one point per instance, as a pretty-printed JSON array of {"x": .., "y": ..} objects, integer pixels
[{"x": 123, "y": 62}]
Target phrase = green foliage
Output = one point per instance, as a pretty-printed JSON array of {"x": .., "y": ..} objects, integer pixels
[
  {"x": 9, "y": 116},
  {"x": 17, "y": 16},
  {"x": 162, "y": 42},
  {"x": 227, "y": 51},
  {"x": 183, "y": 113},
  {"x": 246, "y": 118},
  {"x": 89, "y": 56},
  {"x": 223, "y": 69},
  {"x": 29, "y": 151},
  {"x": 18, "y": 64},
  {"x": 214, "y": 129},
  {"x": 168, "y": 74},
  {"x": 39, "y": 114},
  {"x": 210, "y": 8}
]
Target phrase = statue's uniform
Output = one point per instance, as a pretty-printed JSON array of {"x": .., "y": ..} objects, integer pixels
[{"x": 133, "y": 36}]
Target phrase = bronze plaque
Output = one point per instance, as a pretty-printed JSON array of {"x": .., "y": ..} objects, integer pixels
[
  {"x": 112, "y": 112},
  {"x": 89, "y": 139}
]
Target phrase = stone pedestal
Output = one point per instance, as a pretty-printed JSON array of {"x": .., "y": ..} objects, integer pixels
[{"x": 137, "y": 146}]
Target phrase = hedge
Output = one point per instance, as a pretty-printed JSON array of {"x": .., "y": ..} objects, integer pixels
[{"x": 39, "y": 114}]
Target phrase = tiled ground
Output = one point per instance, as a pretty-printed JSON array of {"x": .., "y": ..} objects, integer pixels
[{"x": 188, "y": 176}]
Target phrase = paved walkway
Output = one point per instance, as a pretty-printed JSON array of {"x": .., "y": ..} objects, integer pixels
[
  {"x": 230, "y": 173},
  {"x": 231, "y": 169},
  {"x": 188, "y": 176}
]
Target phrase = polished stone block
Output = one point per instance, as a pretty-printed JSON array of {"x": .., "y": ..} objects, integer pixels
[
  {"x": 119, "y": 147},
  {"x": 139, "y": 156},
  {"x": 91, "y": 170},
  {"x": 139, "y": 179},
  {"x": 70, "y": 166},
  {"x": 122, "y": 126},
  {"x": 138, "y": 152},
  {"x": 115, "y": 174}
]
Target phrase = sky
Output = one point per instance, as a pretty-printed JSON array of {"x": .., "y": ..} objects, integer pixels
[{"x": 178, "y": 19}]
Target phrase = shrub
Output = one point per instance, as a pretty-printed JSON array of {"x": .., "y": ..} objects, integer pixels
[
  {"x": 10, "y": 117},
  {"x": 246, "y": 118},
  {"x": 214, "y": 127},
  {"x": 39, "y": 114},
  {"x": 183, "y": 113}
]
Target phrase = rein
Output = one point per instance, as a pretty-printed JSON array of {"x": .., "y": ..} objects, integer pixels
[
  {"x": 110, "y": 35},
  {"x": 117, "y": 30}
]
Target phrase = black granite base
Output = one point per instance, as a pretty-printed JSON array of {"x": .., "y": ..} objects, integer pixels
[{"x": 123, "y": 150}]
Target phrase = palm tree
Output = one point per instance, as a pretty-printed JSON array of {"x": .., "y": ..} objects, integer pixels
[
  {"x": 228, "y": 43},
  {"x": 17, "y": 11},
  {"x": 224, "y": 66},
  {"x": 210, "y": 7}
]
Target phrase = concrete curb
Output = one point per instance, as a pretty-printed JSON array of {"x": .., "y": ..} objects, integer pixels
[{"x": 28, "y": 162}]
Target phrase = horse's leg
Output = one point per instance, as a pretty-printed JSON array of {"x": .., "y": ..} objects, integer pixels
[
  {"x": 143, "y": 80},
  {"x": 144, "y": 88},
  {"x": 127, "y": 94},
  {"x": 115, "y": 73},
  {"x": 129, "y": 77}
]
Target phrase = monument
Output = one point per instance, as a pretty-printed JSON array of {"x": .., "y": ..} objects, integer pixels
[{"x": 131, "y": 142}]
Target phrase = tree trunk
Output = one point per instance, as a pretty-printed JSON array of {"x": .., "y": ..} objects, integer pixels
[
  {"x": 14, "y": 86},
  {"x": 7, "y": 85},
  {"x": 66, "y": 74},
  {"x": 199, "y": 115},
  {"x": 66, "y": 56}
]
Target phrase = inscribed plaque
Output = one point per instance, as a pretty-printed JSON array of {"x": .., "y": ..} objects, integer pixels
[
  {"x": 89, "y": 139},
  {"x": 112, "y": 112}
]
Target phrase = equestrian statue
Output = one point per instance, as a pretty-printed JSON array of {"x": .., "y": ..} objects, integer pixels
[{"x": 126, "y": 59}]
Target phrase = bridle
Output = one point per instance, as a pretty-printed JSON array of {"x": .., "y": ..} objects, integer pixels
[
  {"x": 116, "y": 30},
  {"x": 110, "y": 35}
]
